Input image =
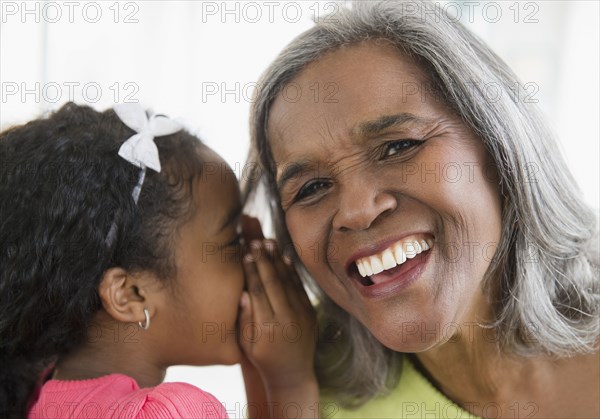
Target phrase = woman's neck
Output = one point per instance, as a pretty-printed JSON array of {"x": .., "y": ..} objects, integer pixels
[
  {"x": 467, "y": 369},
  {"x": 472, "y": 371}
]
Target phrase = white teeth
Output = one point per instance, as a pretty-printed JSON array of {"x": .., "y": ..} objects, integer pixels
[
  {"x": 394, "y": 255},
  {"x": 388, "y": 259},
  {"x": 399, "y": 254},
  {"x": 361, "y": 269},
  {"x": 411, "y": 250},
  {"x": 367, "y": 267},
  {"x": 376, "y": 265}
]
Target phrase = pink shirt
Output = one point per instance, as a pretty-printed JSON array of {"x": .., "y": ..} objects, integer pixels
[{"x": 119, "y": 396}]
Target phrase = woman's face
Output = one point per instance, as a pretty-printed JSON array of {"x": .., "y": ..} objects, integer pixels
[{"x": 370, "y": 161}]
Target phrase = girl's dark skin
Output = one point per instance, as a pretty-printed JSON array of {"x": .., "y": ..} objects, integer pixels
[{"x": 207, "y": 293}]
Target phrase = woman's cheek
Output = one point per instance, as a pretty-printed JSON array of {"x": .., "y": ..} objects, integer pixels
[
  {"x": 293, "y": 220},
  {"x": 303, "y": 232}
]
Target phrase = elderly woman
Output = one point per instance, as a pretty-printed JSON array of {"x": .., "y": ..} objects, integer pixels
[{"x": 453, "y": 259}]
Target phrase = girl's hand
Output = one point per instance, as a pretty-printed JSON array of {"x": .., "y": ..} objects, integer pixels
[
  {"x": 277, "y": 324},
  {"x": 277, "y": 320}
]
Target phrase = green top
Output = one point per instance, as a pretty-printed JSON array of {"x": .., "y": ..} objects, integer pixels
[{"x": 414, "y": 397}]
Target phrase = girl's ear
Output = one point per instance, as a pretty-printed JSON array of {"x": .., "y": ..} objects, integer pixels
[{"x": 124, "y": 296}]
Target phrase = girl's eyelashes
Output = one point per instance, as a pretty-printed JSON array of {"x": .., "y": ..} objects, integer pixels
[
  {"x": 237, "y": 240},
  {"x": 230, "y": 252},
  {"x": 392, "y": 148}
]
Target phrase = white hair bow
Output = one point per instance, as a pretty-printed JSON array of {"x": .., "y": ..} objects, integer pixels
[{"x": 140, "y": 149}]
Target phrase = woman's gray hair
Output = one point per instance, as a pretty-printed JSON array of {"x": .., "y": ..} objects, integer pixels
[{"x": 543, "y": 280}]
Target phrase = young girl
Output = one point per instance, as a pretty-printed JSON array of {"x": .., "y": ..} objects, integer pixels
[{"x": 120, "y": 256}]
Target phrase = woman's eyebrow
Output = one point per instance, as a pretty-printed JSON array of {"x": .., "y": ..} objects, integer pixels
[
  {"x": 364, "y": 129},
  {"x": 376, "y": 126}
]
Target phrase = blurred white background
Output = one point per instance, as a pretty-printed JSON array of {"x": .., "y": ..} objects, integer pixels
[{"x": 198, "y": 60}]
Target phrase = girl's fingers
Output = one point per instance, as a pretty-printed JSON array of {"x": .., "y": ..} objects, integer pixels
[
  {"x": 295, "y": 278},
  {"x": 249, "y": 333},
  {"x": 290, "y": 279},
  {"x": 292, "y": 284},
  {"x": 271, "y": 280},
  {"x": 245, "y": 308},
  {"x": 261, "y": 306},
  {"x": 251, "y": 229}
]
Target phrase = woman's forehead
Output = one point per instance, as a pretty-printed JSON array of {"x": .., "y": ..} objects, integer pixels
[
  {"x": 349, "y": 75},
  {"x": 348, "y": 94}
]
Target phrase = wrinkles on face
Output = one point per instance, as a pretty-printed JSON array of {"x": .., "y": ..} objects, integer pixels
[
  {"x": 378, "y": 165},
  {"x": 345, "y": 158}
]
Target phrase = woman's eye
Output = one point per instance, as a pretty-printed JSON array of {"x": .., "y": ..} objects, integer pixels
[
  {"x": 396, "y": 147},
  {"x": 311, "y": 188}
]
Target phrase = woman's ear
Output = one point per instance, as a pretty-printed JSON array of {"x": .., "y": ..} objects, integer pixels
[{"x": 124, "y": 296}]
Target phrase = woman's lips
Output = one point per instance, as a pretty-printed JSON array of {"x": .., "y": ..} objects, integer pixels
[
  {"x": 391, "y": 264},
  {"x": 393, "y": 280},
  {"x": 396, "y": 254}
]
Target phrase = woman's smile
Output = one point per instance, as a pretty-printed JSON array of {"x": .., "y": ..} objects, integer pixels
[
  {"x": 388, "y": 268},
  {"x": 396, "y": 254},
  {"x": 394, "y": 280}
]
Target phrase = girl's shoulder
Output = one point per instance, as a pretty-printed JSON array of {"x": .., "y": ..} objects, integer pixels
[
  {"x": 183, "y": 400},
  {"x": 119, "y": 396}
]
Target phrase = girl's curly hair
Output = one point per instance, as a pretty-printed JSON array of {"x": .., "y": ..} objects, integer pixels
[{"x": 62, "y": 185}]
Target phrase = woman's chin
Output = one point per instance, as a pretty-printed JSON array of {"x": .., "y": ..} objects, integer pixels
[
  {"x": 411, "y": 339},
  {"x": 410, "y": 345}
]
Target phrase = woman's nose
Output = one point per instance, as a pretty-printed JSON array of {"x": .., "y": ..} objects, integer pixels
[{"x": 361, "y": 205}]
